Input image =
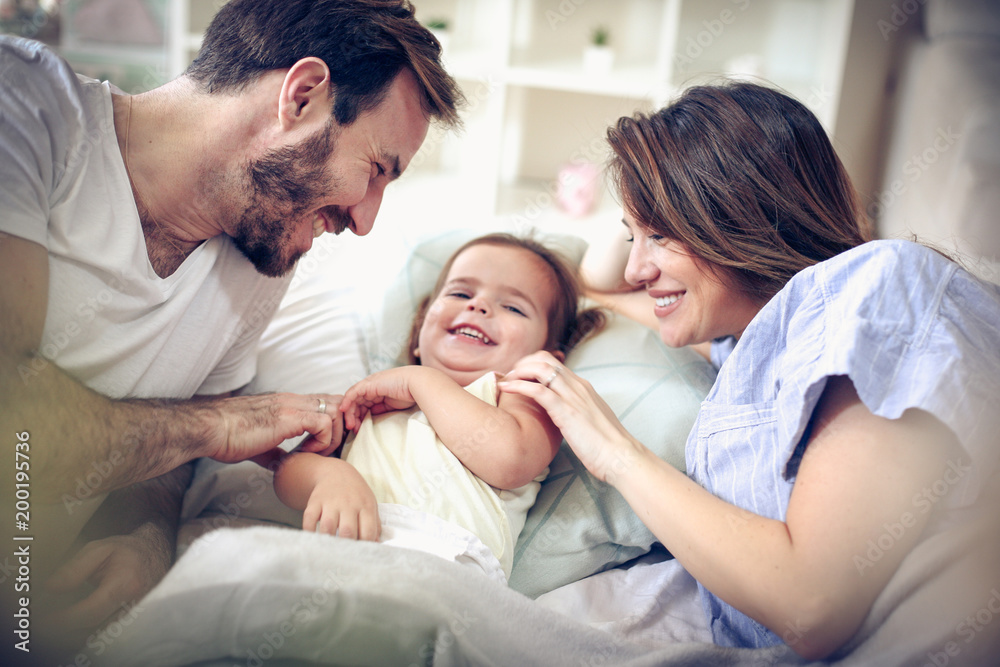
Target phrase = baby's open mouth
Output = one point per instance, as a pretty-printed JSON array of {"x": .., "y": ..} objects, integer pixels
[{"x": 472, "y": 333}]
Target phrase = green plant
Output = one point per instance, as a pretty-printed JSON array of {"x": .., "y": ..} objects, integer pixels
[
  {"x": 437, "y": 24},
  {"x": 600, "y": 36}
]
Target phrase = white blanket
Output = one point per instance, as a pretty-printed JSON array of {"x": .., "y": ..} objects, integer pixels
[
  {"x": 260, "y": 595},
  {"x": 278, "y": 595}
]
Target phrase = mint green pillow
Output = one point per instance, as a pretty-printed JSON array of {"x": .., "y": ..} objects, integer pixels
[{"x": 578, "y": 525}]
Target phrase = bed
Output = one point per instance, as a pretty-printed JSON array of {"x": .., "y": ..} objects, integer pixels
[{"x": 590, "y": 585}]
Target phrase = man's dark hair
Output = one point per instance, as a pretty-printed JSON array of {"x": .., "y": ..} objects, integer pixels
[{"x": 365, "y": 44}]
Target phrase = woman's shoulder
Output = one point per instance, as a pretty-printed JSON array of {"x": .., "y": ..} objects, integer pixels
[
  {"x": 876, "y": 261},
  {"x": 887, "y": 289},
  {"x": 878, "y": 281}
]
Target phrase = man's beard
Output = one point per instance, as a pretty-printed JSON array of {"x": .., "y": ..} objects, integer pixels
[{"x": 285, "y": 184}]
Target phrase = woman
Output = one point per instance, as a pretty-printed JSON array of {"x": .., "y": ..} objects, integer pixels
[{"x": 857, "y": 379}]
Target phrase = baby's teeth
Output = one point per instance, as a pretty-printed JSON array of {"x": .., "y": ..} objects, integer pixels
[{"x": 467, "y": 331}]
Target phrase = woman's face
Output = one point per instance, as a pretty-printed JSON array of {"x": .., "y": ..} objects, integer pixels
[
  {"x": 691, "y": 302},
  {"x": 492, "y": 310}
]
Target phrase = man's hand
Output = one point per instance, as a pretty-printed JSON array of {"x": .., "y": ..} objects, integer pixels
[
  {"x": 248, "y": 427},
  {"x": 128, "y": 546},
  {"x": 121, "y": 568}
]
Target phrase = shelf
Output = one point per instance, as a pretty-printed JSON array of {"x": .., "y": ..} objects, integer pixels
[{"x": 569, "y": 76}]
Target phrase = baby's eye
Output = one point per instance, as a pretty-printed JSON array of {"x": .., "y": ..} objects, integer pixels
[
  {"x": 459, "y": 295},
  {"x": 515, "y": 309}
]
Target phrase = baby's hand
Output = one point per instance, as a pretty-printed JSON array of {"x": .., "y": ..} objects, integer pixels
[
  {"x": 380, "y": 392},
  {"x": 342, "y": 504}
]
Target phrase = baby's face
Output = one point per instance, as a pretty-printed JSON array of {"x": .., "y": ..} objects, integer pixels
[{"x": 492, "y": 310}]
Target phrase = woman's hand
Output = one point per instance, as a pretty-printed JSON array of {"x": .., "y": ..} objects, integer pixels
[
  {"x": 380, "y": 392},
  {"x": 587, "y": 423}
]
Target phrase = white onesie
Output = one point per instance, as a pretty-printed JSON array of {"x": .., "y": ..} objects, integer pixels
[{"x": 405, "y": 463}]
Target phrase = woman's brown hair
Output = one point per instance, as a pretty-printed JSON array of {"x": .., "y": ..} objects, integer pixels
[
  {"x": 742, "y": 175},
  {"x": 567, "y": 325}
]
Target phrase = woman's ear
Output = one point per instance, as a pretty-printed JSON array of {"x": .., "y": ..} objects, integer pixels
[
  {"x": 558, "y": 354},
  {"x": 305, "y": 94}
]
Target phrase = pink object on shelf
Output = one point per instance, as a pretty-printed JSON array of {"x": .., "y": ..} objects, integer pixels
[{"x": 576, "y": 189}]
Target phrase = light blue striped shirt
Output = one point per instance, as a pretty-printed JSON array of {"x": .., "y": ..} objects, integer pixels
[{"x": 909, "y": 327}]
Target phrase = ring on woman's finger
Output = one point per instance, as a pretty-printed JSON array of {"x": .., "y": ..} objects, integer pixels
[
  {"x": 322, "y": 406},
  {"x": 549, "y": 380}
]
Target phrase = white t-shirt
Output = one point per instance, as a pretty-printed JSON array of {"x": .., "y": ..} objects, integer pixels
[{"x": 112, "y": 323}]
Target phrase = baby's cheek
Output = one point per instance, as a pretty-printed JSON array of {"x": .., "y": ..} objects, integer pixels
[{"x": 431, "y": 317}]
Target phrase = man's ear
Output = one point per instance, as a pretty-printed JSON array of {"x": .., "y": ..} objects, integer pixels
[{"x": 304, "y": 94}]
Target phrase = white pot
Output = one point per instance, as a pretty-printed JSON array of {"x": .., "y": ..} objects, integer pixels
[{"x": 598, "y": 59}]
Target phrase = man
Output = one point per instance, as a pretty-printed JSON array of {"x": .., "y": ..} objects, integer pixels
[{"x": 146, "y": 240}]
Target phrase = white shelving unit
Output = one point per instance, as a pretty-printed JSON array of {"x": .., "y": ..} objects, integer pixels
[{"x": 534, "y": 106}]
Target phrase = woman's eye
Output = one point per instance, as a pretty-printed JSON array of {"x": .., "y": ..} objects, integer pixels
[{"x": 630, "y": 239}]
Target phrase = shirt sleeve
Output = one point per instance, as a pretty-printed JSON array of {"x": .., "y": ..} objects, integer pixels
[
  {"x": 911, "y": 330},
  {"x": 39, "y": 120}
]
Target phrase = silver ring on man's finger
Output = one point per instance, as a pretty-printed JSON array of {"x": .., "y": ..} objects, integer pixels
[
  {"x": 551, "y": 378},
  {"x": 322, "y": 406}
]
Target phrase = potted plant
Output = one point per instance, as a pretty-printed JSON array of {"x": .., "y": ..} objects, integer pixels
[{"x": 599, "y": 57}]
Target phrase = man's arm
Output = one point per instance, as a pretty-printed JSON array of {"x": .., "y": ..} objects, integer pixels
[{"x": 73, "y": 428}]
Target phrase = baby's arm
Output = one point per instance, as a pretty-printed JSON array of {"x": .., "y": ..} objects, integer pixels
[
  {"x": 506, "y": 446},
  {"x": 332, "y": 494}
]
